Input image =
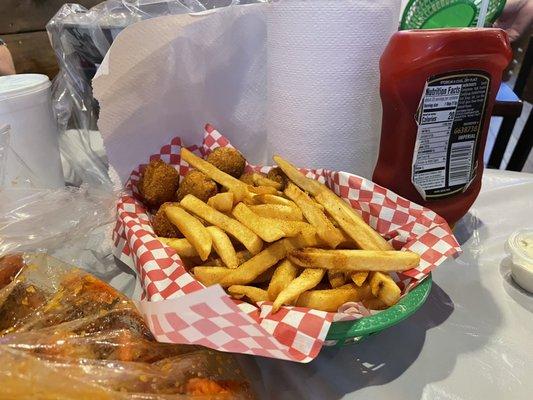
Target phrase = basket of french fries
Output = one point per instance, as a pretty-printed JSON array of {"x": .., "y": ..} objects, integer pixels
[{"x": 304, "y": 257}]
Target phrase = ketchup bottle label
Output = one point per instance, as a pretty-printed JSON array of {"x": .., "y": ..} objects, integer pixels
[{"x": 449, "y": 119}]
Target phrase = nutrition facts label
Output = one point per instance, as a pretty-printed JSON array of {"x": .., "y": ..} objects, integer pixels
[{"x": 449, "y": 119}]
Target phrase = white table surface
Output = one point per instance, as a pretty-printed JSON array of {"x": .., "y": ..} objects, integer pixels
[{"x": 472, "y": 339}]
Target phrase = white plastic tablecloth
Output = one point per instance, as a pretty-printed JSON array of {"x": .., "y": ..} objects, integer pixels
[{"x": 472, "y": 339}]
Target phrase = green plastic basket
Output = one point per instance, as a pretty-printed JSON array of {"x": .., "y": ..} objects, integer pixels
[
  {"x": 430, "y": 14},
  {"x": 347, "y": 332}
]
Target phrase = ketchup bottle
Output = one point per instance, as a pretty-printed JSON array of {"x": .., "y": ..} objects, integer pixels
[{"x": 438, "y": 88}]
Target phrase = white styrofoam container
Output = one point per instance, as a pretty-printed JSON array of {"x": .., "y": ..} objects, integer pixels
[{"x": 33, "y": 158}]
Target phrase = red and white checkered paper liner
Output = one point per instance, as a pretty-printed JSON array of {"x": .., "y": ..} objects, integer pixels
[{"x": 180, "y": 309}]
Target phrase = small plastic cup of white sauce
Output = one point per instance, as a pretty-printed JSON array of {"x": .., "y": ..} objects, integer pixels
[{"x": 520, "y": 247}]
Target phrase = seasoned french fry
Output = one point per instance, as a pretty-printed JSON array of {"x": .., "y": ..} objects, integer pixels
[
  {"x": 192, "y": 229},
  {"x": 384, "y": 288},
  {"x": 307, "y": 184},
  {"x": 223, "y": 246},
  {"x": 260, "y": 180},
  {"x": 336, "y": 278},
  {"x": 373, "y": 303},
  {"x": 263, "y": 190},
  {"x": 251, "y": 292},
  {"x": 265, "y": 276},
  {"x": 257, "y": 224},
  {"x": 244, "y": 235},
  {"x": 284, "y": 273},
  {"x": 325, "y": 229},
  {"x": 359, "y": 277},
  {"x": 239, "y": 189},
  {"x": 183, "y": 247},
  {"x": 331, "y": 299},
  {"x": 272, "y": 199},
  {"x": 362, "y": 234},
  {"x": 258, "y": 264},
  {"x": 347, "y": 218},
  {"x": 242, "y": 256},
  {"x": 222, "y": 202},
  {"x": 210, "y": 275},
  {"x": 308, "y": 279},
  {"x": 355, "y": 260},
  {"x": 278, "y": 211}
]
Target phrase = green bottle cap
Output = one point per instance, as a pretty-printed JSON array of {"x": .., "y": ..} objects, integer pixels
[{"x": 430, "y": 14}]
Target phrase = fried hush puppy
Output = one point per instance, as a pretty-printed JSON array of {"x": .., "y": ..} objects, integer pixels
[
  {"x": 228, "y": 160},
  {"x": 158, "y": 183},
  {"x": 277, "y": 175},
  {"x": 162, "y": 225},
  {"x": 198, "y": 184}
]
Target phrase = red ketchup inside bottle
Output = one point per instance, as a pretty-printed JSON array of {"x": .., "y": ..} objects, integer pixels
[{"x": 437, "y": 89}]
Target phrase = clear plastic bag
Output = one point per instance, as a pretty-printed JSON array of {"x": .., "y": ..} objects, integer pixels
[
  {"x": 64, "y": 334},
  {"x": 81, "y": 39}
]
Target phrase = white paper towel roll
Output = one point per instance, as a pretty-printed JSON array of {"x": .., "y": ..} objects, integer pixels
[{"x": 323, "y": 106}]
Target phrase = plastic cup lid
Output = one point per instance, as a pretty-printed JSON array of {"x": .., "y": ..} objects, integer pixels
[
  {"x": 516, "y": 245},
  {"x": 21, "y": 84}
]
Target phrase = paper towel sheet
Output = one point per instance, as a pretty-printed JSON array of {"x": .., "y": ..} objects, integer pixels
[{"x": 299, "y": 78}]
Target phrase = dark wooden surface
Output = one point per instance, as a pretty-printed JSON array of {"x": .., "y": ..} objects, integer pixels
[
  {"x": 32, "y": 53},
  {"x": 18, "y": 16},
  {"x": 22, "y": 26}
]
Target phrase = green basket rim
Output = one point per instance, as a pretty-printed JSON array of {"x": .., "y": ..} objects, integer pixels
[
  {"x": 406, "y": 307},
  {"x": 492, "y": 13}
]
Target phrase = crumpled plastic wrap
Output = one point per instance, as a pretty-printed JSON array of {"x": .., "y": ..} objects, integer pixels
[
  {"x": 81, "y": 38},
  {"x": 64, "y": 334}
]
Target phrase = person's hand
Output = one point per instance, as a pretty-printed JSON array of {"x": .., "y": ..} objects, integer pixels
[
  {"x": 516, "y": 18},
  {"x": 6, "y": 62}
]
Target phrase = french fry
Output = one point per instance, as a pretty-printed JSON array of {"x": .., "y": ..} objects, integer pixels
[
  {"x": 336, "y": 278},
  {"x": 223, "y": 246},
  {"x": 308, "y": 279},
  {"x": 290, "y": 228},
  {"x": 257, "y": 224},
  {"x": 373, "y": 303},
  {"x": 284, "y": 273},
  {"x": 260, "y": 180},
  {"x": 272, "y": 199},
  {"x": 222, "y": 202},
  {"x": 210, "y": 275},
  {"x": 362, "y": 234},
  {"x": 265, "y": 276},
  {"x": 331, "y": 299},
  {"x": 251, "y": 292},
  {"x": 183, "y": 247},
  {"x": 242, "y": 256},
  {"x": 347, "y": 218},
  {"x": 192, "y": 229},
  {"x": 238, "y": 188},
  {"x": 307, "y": 184},
  {"x": 278, "y": 211},
  {"x": 355, "y": 260},
  {"x": 263, "y": 190},
  {"x": 325, "y": 229},
  {"x": 258, "y": 264},
  {"x": 359, "y": 277},
  {"x": 240, "y": 232},
  {"x": 384, "y": 288}
]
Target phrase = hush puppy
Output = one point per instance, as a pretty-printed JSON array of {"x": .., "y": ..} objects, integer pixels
[
  {"x": 158, "y": 183},
  {"x": 228, "y": 160},
  {"x": 198, "y": 184},
  {"x": 277, "y": 175},
  {"x": 162, "y": 225}
]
